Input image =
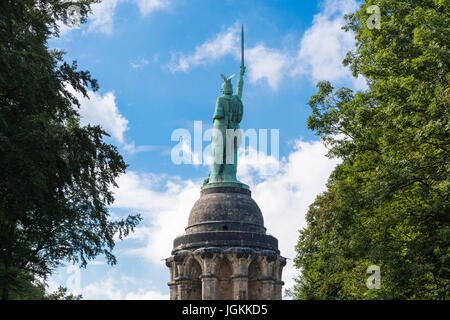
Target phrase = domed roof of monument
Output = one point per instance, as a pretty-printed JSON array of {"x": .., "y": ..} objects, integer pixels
[{"x": 225, "y": 209}]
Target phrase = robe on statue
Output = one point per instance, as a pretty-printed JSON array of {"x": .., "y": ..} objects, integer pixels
[{"x": 226, "y": 138}]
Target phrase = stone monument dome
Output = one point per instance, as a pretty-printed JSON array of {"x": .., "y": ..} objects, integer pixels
[
  {"x": 224, "y": 208},
  {"x": 225, "y": 216}
]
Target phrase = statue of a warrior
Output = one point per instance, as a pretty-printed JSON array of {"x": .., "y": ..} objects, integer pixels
[{"x": 226, "y": 131}]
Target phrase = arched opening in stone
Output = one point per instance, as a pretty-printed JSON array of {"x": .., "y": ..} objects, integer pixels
[
  {"x": 225, "y": 289},
  {"x": 193, "y": 273},
  {"x": 255, "y": 288}
]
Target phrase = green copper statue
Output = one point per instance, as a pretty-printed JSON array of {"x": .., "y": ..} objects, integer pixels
[{"x": 226, "y": 131}]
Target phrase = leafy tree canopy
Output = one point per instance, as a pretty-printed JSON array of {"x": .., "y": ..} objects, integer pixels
[
  {"x": 387, "y": 203},
  {"x": 55, "y": 175}
]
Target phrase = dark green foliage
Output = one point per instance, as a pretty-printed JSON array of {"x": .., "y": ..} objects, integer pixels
[
  {"x": 387, "y": 203},
  {"x": 55, "y": 176}
]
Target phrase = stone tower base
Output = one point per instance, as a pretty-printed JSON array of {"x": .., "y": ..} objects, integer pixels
[{"x": 235, "y": 273}]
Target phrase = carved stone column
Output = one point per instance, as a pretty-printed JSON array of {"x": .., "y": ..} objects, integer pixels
[
  {"x": 209, "y": 259},
  {"x": 268, "y": 278},
  {"x": 278, "y": 285},
  {"x": 209, "y": 286},
  {"x": 173, "y": 290},
  {"x": 278, "y": 290},
  {"x": 172, "y": 284},
  {"x": 240, "y": 259}
]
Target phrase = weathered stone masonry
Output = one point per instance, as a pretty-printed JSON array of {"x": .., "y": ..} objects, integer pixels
[{"x": 225, "y": 253}]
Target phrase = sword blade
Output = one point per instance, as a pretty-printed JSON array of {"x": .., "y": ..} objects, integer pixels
[{"x": 242, "y": 46}]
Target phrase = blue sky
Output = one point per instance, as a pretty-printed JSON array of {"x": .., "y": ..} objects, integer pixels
[{"x": 158, "y": 63}]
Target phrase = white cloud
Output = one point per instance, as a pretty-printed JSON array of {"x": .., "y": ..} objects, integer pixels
[
  {"x": 102, "y": 18},
  {"x": 114, "y": 288},
  {"x": 105, "y": 289},
  {"x": 324, "y": 45},
  {"x": 183, "y": 153},
  {"x": 226, "y": 42},
  {"x": 64, "y": 29},
  {"x": 283, "y": 197},
  {"x": 102, "y": 110},
  {"x": 267, "y": 63},
  {"x": 148, "y": 6},
  {"x": 164, "y": 202},
  {"x": 256, "y": 165},
  {"x": 142, "y": 294},
  {"x": 139, "y": 64},
  {"x": 52, "y": 285},
  {"x": 131, "y": 148}
]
